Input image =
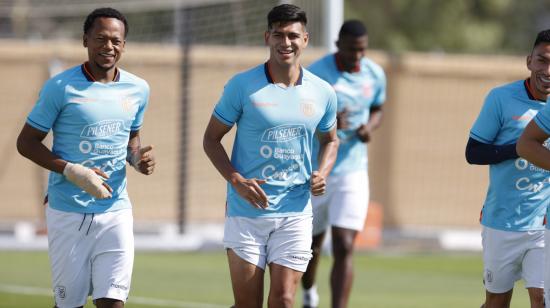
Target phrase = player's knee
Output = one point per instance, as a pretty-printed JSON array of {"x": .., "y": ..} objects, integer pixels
[
  {"x": 109, "y": 303},
  {"x": 284, "y": 299},
  {"x": 342, "y": 248}
]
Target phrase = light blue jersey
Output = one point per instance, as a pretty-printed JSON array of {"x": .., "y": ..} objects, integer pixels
[
  {"x": 357, "y": 92},
  {"x": 91, "y": 124},
  {"x": 542, "y": 119},
  {"x": 518, "y": 191},
  {"x": 275, "y": 128}
]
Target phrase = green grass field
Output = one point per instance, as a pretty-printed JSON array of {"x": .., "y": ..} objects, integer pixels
[{"x": 202, "y": 280}]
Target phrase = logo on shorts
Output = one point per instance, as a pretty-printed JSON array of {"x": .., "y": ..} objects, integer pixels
[
  {"x": 488, "y": 276},
  {"x": 301, "y": 258},
  {"x": 60, "y": 292},
  {"x": 119, "y": 286}
]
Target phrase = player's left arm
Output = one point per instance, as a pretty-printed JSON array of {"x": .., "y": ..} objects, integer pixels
[
  {"x": 530, "y": 145},
  {"x": 375, "y": 119},
  {"x": 141, "y": 158},
  {"x": 328, "y": 148}
]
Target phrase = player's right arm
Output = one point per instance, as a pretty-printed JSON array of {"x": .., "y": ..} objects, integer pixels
[
  {"x": 29, "y": 144},
  {"x": 479, "y": 153},
  {"x": 530, "y": 145},
  {"x": 249, "y": 189}
]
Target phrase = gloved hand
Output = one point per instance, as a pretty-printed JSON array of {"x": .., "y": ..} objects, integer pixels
[{"x": 89, "y": 180}]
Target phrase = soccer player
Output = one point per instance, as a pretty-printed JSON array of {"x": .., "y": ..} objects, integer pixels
[
  {"x": 277, "y": 107},
  {"x": 95, "y": 111},
  {"x": 360, "y": 86},
  {"x": 513, "y": 213},
  {"x": 533, "y": 144}
]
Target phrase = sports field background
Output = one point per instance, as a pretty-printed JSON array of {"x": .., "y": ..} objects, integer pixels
[{"x": 201, "y": 280}]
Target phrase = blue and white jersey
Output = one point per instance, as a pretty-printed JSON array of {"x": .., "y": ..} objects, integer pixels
[
  {"x": 357, "y": 92},
  {"x": 91, "y": 124},
  {"x": 542, "y": 119},
  {"x": 519, "y": 191},
  {"x": 275, "y": 128}
]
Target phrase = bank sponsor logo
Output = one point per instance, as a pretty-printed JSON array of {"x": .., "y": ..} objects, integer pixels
[
  {"x": 284, "y": 133},
  {"x": 102, "y": 129}
]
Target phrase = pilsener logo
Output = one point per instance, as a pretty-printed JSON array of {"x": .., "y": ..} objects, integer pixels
[
  {"x": 102, "y": 129},
  {"x": 284, "y": 133}
]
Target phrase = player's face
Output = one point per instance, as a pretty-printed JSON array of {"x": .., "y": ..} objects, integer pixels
[
  {"x": 286, "y": 42},
  {"x": 351, "y": 50},
  {"x": 539, "y": 65},
  {"x": 105, "y": 42}
]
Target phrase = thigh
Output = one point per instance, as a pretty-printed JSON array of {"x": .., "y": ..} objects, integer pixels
[
  {"x": 247, "y": 238},
  {"x": 283, "y": 282},
  {"x": 547, "y": 265},
  {"x": 502, "y": 259},
  {"x": 533, "y": 261},
  {"x": 69, "y": 250},
  {"x": 349, "y": 205},
  {"x": 246, "y": 280},
  {"x": 113, "y": 258},
  {"x": 289, "y": 245}
]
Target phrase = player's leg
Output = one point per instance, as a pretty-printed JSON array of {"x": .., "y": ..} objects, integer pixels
[
  {"x": 69, "y": 252},
  {"x": 533, "y": 261},
  {"x": 310, "y": 297},
  {"x": 113, "y": 259},
  {"x": 503, "y": 253},
  {"x": 498, "y": 300},
  {"x": 247, "y": 281},
  {"x": 341, "y": 276},
  {"x": 347, "y": 215},
  {"x": 245, "y": 240},
  {"x": 288, "y": 254},
  {"x": 547, "y": 266}
]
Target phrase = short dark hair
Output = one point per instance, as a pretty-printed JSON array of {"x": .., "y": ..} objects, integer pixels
[
  {"x": 104, "y": 12},
  {"x": 285, "y": 13},
  {"x": 542, "y": 37},
  {"x": 353, "y": 28}
]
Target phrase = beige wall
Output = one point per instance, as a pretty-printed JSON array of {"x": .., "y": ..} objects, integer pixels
[{"x": 417, "y": 166}]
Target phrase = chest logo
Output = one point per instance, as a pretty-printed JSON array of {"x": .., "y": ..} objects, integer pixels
[{"x": 307, "y": 108}]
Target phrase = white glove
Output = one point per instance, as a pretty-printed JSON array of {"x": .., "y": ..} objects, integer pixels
[{"x": 86, "y": 179}]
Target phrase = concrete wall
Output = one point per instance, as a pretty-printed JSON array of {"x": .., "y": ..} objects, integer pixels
[{"x": 417, "y": 166}]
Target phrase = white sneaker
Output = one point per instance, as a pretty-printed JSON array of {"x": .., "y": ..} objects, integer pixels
[{"x": 310, "y": 298}]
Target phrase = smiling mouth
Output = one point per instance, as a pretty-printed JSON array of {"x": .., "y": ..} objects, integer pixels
[
  {"x": 106, "y": 55},
  {"x": 285, "y": 52},
  {"x": 544, "y": 79}
]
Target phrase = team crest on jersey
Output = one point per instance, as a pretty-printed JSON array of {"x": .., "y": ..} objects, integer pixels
[
  {"x": 367, "y": 89},
  {"x": 127, "y": 104},
  {"x": 308, "y": 108},
  {"x": 60, "y": 292}
]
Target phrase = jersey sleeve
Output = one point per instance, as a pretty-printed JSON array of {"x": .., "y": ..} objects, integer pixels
[
  {"x": 229, "y": 108},
  {"x": 328, "y": 121},
  {"x": 542, "y": 119},
  {"x": 47, "y": 107},
  {"x": 143, "y": 104},
  {"x": 380, "y": 95},
  {"x": 488, "y": 123}
]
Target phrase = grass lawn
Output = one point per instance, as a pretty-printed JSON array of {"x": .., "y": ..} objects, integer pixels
[{"x": 202, "y": 280}]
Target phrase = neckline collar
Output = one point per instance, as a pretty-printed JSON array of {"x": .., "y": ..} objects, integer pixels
[
  {"x": 529, "y": 91},
  {"x": 90, "y": 77},
  {"x": 340, "y": 66},
  {"x": 267, "y": 72}
]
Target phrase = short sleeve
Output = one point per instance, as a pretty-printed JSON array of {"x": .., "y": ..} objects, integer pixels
[
  {"x": 488, "y": 123},
  {"x": 229, "y": 108},
  {"x": 143, "y": 104},
  {"x": 47, "y": 107},
  {"x": 380, "y": 95},
  {"x": 328, "y": 121},
  {"x": 542, "y": 119}
]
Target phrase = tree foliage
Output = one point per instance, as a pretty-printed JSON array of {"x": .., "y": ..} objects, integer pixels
[{"x": 465, "y": 26}]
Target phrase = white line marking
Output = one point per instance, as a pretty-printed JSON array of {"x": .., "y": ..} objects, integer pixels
[{"x": 13, "y": 289}]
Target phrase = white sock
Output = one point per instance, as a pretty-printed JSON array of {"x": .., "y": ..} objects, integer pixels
[{"x": 311, "y": 297}]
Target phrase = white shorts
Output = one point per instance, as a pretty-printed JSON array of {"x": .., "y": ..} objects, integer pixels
[
  {"x": 281, "y": 240},
  {"x": 510, "y": 256},
  {"x": 344, "y": 204},
  {"x": 90, "y": 254}
]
